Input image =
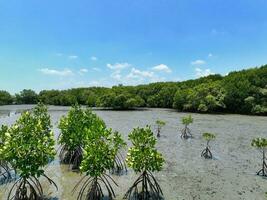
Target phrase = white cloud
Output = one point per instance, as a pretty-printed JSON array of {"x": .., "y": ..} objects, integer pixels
[
  {"x": 210, "y": 55},
  {"x": 198, "y": 62},
  {"x": 118, "y": 66},
  {"x": 72, "y": 57},
  {"x": 136, "y": 73},
  {"x": 83, "y": 71},
  {"x": 94, "y": 58},
  {"x": 162, "y": 67},
  {"x": 96, "y": 69},
  {"x": 64, "y": 72},
  {"x": 202, "y": 72}
]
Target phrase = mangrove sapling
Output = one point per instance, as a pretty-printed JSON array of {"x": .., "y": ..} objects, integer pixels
[
  {"x": 186, "y": 132},
  {"x": 206, "y": 153},
  {"x": 29, "y": 147},
  {"x": 261, "y": 144},
  {"x": 145, "y": 159},
  {"x": 99, "y": 155},
  {"x": 72, "y": 138},
  {"x": 5, "y": 170},
  {"x": 159, "y": 124},
  {"x": 119, "y": 165}
]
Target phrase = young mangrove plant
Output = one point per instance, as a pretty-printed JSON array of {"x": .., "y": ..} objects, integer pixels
[
  {"x": 119, "y": 165},
  {"x": 186, "y": 132},
  {"x": 99, "y": 155},
  {"x": 145, "y": 159},
  {"x": 72, "y": 138},
  {"x": 29, "y": 147},
  {"x": 5, "y": 170},
  {"x": 261, "y": 144},
  {"x": 206, "y": 153},
  {"x": 159, "y": 124}
]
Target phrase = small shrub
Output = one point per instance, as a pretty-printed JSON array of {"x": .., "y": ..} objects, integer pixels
[
  {"x": 73, "y": 137},
  {"x": 186, "y": 132},
  {"x": 145, "y": 159},
  {"x": 99, "y": 155},
  {"x": 261, "y": 144},
  {"x": 206, "y": 153},
  {"x": 29, "y": 147}
]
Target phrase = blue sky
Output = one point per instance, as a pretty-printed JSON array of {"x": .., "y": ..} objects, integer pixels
[{"x": 65, "y": 43}]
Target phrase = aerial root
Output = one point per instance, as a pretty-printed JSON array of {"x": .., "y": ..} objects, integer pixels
[
  {"x": 28, "y": 189},
  {"x": 144, "y": 188},
  {"x": 92, "y": 189},
  {"x": 186, "y": 133},
  {"x": 263, "y": 171},
  {"x": 119, "y": 165},
  {"x": 72, "y": 158},
  {"x": 206, "y": 153}
]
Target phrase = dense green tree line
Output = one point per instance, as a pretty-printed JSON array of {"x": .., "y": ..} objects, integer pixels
[{"x": 239, "y": 92}]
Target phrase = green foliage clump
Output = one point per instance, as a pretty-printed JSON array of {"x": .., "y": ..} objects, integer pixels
[
  {"x": 100, "y": 155},
  {"x": 187, "y": 120},
  {"x": 144, "y": 158},
  {"x": 5, "y": 98},
  {"x": 261, "y": 143},
  {"x": 29, "y": 146},
  {"x": 76, "y": 129},
  {"x": 208, "y": 136},
  {"x": 26, "y": 97}
]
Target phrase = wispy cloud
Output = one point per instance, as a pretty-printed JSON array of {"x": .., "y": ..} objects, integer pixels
[
  {"x": 64, "y": 72},
  {"x": 202, "y": 72},
  {"x": 118, "y": 66},
  {"x": 210, "y": 55},
  {"x": 83, "y": 71},
  {"x": 162, "y": 67},
  {"x": 93, "y": 58},
  {"x": 72, "y": 57},
  {"x": 198, "y": 62},
  {"x": 96, "y": 69}
]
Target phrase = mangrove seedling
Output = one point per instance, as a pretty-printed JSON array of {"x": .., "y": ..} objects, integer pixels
[
  {"x": 186, "y": 132},
  {"x": 119, "y": 165},
  {"x": 261, "y": 144},
  {"x": 29, "y": 147},
  {"x": 145, "y": 159},
  {"x": 5, "y": 170},
  {"x": 159, "y": 124},
  {"x": 99, "y": 155},
  {"x": 72, "y": 138},
  {"x": 206, "y": 153}
]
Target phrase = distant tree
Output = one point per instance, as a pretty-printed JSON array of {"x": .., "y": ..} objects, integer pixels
[
  {"x": 5, "y": 98},
  {"x": 206, "y": 153},
  {"x": 261, "y": 144},
  {"x": 26, "y": 97}
]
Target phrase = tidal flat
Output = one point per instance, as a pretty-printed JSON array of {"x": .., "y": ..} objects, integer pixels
[{"x": 185, "y": 175}]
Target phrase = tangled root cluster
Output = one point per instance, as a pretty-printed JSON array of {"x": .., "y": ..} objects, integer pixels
[
  {"x": 28, "y": 189},
  {"x": 91, "y": 188},
  {"x": 145, "y": 187}
]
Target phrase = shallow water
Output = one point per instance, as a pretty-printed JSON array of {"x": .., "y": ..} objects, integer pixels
[{"x": 186, "y": 176}]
